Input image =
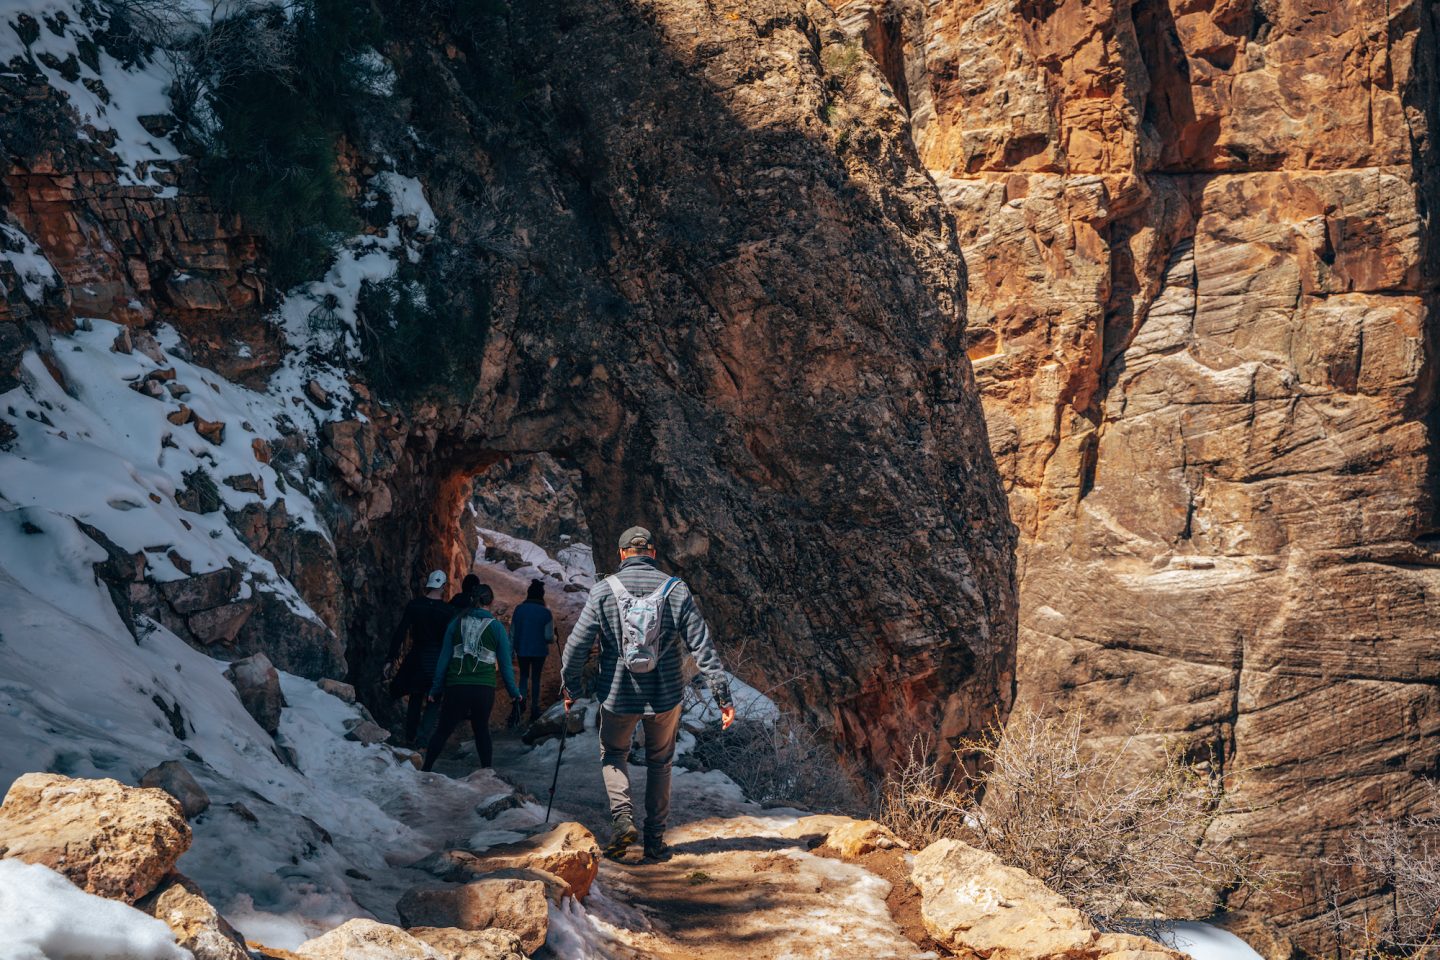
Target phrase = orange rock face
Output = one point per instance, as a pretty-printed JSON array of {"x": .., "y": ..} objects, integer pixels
[{"x": 1202, "y": 300}]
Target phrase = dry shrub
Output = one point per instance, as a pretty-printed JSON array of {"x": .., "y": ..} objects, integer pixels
[
  {"x": 1400, "y": 859},
  {"x": 789, "y": 761},
  {"x": 783, "y": 762},
  {"x": 1121, "y": 840},
  {"x": 921, "y": 803}
]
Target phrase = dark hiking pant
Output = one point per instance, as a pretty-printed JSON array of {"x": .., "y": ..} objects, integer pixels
[
  {"x": 616, "y": 730},
  {"x": 420, "y": 718},
  {"x": 473, "y": 701},
  {"x": 530, "y": 670}
]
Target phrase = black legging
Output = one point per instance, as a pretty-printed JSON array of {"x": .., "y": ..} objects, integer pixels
[
  {"x": 530, "y": 670},
  {"x": 463, "y": 700}
]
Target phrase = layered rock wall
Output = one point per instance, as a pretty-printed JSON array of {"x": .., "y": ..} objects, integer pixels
[{"x": 1203, "y": 295}]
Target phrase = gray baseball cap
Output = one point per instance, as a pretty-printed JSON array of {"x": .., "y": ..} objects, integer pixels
[{"x": 635, "y": 537}]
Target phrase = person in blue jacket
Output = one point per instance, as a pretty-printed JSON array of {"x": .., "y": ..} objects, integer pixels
[
  {"x": 475, "y": 650},
  {"x": 533, "y": 628}
]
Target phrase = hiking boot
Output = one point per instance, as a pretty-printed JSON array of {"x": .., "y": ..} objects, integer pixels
[
  {"x": 622, "y": 834},
  {"x": 656, "y": 849}
]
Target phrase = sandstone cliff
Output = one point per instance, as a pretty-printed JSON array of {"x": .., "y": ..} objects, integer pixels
[
  {"x": 1203, "y": 295},
  {"x": 697, "y": 257}
]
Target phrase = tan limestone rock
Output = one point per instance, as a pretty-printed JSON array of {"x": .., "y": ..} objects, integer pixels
[
  {"x": 198, "y": 926},
  {"x": 519, "y": 905},
  {"x": 568, "y": 851},
  {"x": 977, "y": 906},
  {"x": 367, "y": 940},
  {"x": 108, "y": 839},
  {"x": 845, "y": 836},
  {"x": 455, "y": 944}
]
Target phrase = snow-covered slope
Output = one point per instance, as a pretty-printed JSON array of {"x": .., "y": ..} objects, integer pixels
[{"x": 286, "y": 852}]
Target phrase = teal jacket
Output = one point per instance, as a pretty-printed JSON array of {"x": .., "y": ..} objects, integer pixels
[{"x": 475, "y": 666}]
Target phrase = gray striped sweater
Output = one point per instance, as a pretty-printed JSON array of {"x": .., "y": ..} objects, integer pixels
[{"x": 619, "y": 690}]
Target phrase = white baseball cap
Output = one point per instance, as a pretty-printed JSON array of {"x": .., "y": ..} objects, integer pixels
[{"x": 436, "y": 580}]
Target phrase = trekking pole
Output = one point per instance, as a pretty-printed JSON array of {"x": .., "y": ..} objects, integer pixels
[{"x": 564, "y": 734}]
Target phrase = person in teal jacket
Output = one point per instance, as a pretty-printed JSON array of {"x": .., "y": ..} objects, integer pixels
[{"x": 475, "y": 649}]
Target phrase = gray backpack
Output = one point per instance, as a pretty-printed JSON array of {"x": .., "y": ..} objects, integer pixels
[{"x": 640, "y": 623}]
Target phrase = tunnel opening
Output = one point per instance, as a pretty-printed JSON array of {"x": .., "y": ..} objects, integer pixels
[
  {"x": 526, "y": 521},
  {"x": 514, "y": 520}
]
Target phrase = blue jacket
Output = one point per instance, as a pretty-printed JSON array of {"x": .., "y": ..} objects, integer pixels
[{"x": 533, "y": 628}]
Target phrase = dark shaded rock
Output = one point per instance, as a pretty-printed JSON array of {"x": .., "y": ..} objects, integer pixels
[
  {"x": 258, "y": 684},
  {"x": 337, "y": 688},
  {"x": 367, "y": 732},
  {"x": 172, "y": 777}
]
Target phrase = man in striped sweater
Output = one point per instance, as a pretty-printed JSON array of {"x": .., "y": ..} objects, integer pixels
[{"x": 651, "y": 698}]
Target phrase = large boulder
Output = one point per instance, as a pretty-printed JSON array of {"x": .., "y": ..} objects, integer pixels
[
  {"x": 198, "y": 926},
  {"x": 107, "y": 838},
  {"x": 512, "y": 903},
  {"x": 172, "y": 777},
  {"x": 258, "y": 683},
  {"x": 569, "y": 851},
  {"x": 367, "y": 940},
  {"x": 976, "y": 906},
  {"x": 455, "y": 944}
]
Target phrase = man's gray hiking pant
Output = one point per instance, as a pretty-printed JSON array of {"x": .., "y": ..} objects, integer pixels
[{"x": 616, "y": 730}]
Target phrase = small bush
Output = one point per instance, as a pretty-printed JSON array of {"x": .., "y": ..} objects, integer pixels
[
  {"x": 842, "y": 61},
  {"x": 784, "y": 763},
  {"x": 1122, "y": 844},
  {"x": 1402, "y": 860}
]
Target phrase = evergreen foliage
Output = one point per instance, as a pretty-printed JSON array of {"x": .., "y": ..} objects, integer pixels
[
  {"x": 417, "y": 335},
  {"x": 275, "y": 121}
]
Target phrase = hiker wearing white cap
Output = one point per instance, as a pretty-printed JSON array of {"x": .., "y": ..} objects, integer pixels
[
  {"x": 425, "y": 621},
  {"x": 640, "y": 617}
]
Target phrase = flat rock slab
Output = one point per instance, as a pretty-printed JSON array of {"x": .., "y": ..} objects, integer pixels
[
  {"x": 454, "y": 944},
  {"x": 515, "y": 904},
  {"x": 367, "y": 940}
]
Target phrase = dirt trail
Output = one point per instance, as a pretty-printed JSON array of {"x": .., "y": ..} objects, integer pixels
[{"x": 735, "y": 886}]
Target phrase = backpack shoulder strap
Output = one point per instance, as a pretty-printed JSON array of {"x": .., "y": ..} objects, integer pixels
[
  {"x": 478, "y": 630},
  {"x": 662, "y": 593},
  {"x": 618, "y": 588}
]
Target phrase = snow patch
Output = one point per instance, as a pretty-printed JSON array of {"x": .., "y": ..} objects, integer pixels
[
  {"x": 536, "y": 563},
  {"x": 1205, "y": 942},
  {"x": 109, "y": 97},
  {"x": 29, "y": 263},
  {"x": 43, "y": 916},
  {"x": 319, "y": 318},
  {"x": 101, "y": 452}
]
